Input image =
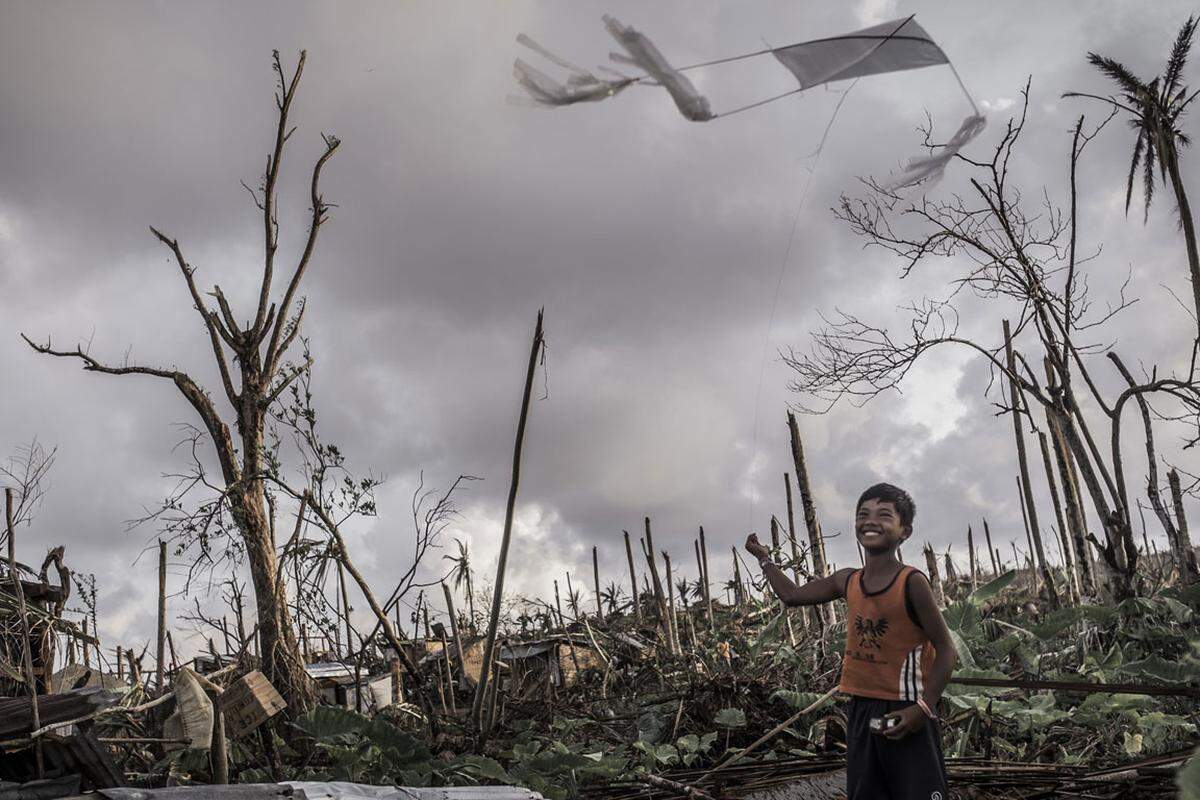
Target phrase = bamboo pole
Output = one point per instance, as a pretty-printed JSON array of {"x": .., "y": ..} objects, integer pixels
[
  {"x": 633, "y": 587},
  {"x": 494, "y": 622},
  {"x": 596, "y": 579},
  {"x": 161, "y": 651},
  {"x": 1014, "y": 391},
  {"x": 19, "y": 591}
]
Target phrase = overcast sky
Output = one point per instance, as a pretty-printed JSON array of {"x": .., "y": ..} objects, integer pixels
[{"x": 654, "y": 243}]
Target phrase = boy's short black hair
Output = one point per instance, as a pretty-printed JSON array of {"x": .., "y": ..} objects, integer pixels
[{"x": 887, "y": 493}]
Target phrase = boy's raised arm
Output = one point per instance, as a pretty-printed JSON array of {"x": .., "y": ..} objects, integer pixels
[{"x": 821, "y": 590}]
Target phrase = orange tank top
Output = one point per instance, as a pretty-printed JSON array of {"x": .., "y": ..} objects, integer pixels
[{"x": 887, "y": 654}]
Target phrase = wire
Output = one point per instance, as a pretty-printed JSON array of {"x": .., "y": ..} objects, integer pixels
[{"x": 762, "y": 367}]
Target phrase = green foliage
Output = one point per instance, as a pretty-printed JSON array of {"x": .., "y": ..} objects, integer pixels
[
  {"x": 1188, "y": 779},
  {"x": 730, "y": 718}
]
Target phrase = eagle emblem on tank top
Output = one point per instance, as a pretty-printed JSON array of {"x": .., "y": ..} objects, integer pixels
[{"x": 869, "y": 631}]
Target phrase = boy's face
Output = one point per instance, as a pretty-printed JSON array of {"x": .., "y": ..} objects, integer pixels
[{"x": 877, "y": 526}]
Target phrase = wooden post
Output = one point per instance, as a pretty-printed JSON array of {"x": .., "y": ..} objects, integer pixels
[
  {"x": 489, "y": 650},
  {"x": 707, "y": 580},
  {"x": 774, "y": 535},
  {"x": 935, "y": 579},
  {"x": 87, "y": 654},
  {"x": 27, "y": 643},
  {"x": 633, "y": 587},
  {"x": 596, "y": 579},
  {"x": 160, "y": 654},
  {"x": 1183, "y": 541},
  {"x": 987, "y": 535},
  {"x": 120, "y": 664},
  {"x": 1014, "y": 392},
  {"x": 171, "y": 650}
]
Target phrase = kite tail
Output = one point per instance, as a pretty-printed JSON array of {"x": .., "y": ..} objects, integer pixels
[
  {"x": 581, "y": 86},
  {"x": 645, "y": 55}
]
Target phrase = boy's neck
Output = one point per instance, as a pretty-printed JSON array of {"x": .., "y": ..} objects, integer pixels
[{"x": 880, "y": 562}]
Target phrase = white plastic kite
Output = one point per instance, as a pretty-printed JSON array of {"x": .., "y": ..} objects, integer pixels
[{"x": 890, "y": 47}]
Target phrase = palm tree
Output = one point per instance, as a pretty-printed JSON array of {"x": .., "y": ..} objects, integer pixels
[
  {"x": 1156, "y": 108},
  {"x": 612, "y": 597},
  {"x": 461, "y": 573}
]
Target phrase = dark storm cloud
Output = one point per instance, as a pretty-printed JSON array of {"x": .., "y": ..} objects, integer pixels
[{"x": 654, "y": 243}]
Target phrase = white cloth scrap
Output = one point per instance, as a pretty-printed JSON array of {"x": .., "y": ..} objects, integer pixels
[
  {"x": 645, "y": 55},
  {"x": 581, "y": 86}
]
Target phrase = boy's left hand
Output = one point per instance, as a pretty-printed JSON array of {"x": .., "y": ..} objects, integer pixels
[{"x": 912, "y": 719}]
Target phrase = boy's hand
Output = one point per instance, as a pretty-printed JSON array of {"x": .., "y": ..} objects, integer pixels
[
  {"x": 755, "y": 548},
  {"x": 912, "y": 719}
]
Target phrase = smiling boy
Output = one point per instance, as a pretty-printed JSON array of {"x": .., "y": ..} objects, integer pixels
[{"x": 899, "y": 654}]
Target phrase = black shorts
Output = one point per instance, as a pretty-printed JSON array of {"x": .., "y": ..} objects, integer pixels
[{"x": 878, "y": 768}]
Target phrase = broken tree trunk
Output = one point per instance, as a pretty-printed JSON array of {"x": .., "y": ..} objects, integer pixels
[
  {"x": 971, "y": 559},
  {"x": 703, "y": 583},
  {"x": 1063, "y": 535},
  {"x": 160, "y": 654},
  {"x": 935, "y": 580},
  {"x": 987, "y": 535},
  {"x": 706, "y": 580},
  {"x": 1072, "y": 499},
  {"x": 1183, "y": 541},
  {"x": 633, "y": 587},
  {"x": 489, "y": 649},
  {"x": 809, "y": 509},
  {"x": 1014, "y": 392},
  {"x": 596, "y": 581},
  {"x": 674, "y": 623},
  {"x": 458, "y": 648}
]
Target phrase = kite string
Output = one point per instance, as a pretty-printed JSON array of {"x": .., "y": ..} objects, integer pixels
[{"x": 762, "y": 367}]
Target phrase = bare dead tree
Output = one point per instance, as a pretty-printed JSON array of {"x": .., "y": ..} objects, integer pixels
[
  {"x": 27, "y": 473},
  {"x": 250, "y": 359},
  {"x": 1027, "y": 259}
]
